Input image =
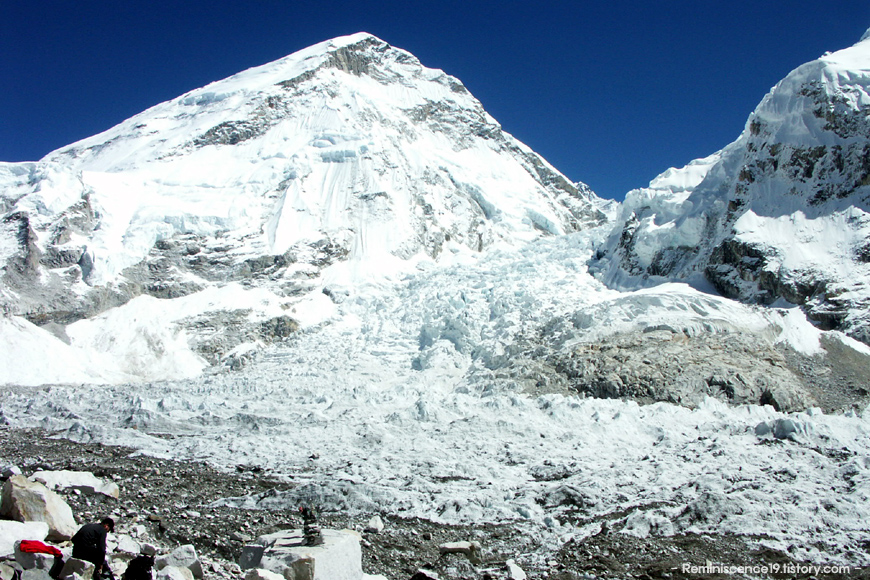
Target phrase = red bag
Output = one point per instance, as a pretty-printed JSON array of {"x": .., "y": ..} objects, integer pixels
[{"x": 36, "y": 547}]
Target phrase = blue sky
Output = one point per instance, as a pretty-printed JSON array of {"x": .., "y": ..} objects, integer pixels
[{"x": 611, "y": 93}]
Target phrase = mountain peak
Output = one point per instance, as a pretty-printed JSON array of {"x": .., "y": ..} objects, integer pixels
[{"x": 342, "y": 163}]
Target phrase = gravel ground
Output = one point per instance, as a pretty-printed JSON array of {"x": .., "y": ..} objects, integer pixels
[{"x": 172, "y": 500}]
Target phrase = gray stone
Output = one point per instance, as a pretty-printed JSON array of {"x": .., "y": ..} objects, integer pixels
[
  {"x": 174, "y": 573},
  {"x": 285, "y": 552},
  {"x": 35, "y": 574},
  {"x": 29, "y": 560},
  {"x": 84, "y": 481},
  {"x": 514, "y": 571},
  {"x": 127, "y": 545},
  {"x": 8, "y": 470},
  {"x": 29, "y": 501},
  {"x": 251, "y": 556},
  {"x": 76, "y": 567},
  {"x": 470, "y": 550},
  {"x": 182, "y": 557},
  {"x": 7, "y": 572},
  {"x": 375, "y": 525}
]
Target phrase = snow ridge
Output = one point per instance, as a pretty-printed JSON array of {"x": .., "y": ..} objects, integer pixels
[{"x": 757, "y": 219}]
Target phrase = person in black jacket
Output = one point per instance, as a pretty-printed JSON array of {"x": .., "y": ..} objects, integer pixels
[{"x": 89, "y": 544}]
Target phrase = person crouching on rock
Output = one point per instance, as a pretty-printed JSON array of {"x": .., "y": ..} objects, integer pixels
[{"x": 89, "y": 544}]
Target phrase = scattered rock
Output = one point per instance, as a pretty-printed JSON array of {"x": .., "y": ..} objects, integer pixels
[
  {"x": 174, "y": 573},
  {"x": 83, "y": 481},
  {"x": 29, "y": 501},
  {"x": 8, "y": 470},
  {"x": 127, "y": 545},
  {"x": 252, "y": 555},
  {"x": 514, "y": 571},
  {"x": 182, "y": 557},
  {"x": 424, "y": 574},
  {"x": 375, "y": 525},
  {"x": 30, "y": 560},
  {"x": 470, "y": 550},
  {"x": 35, "y": 574}
]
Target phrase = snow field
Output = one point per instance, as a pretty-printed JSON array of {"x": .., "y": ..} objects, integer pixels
[{"x": 389, "y": 406}]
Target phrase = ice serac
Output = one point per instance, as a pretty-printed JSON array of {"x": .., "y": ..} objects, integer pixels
[
  {"x": 780, "y": 213},
  {"x": 342, "y": 162}
]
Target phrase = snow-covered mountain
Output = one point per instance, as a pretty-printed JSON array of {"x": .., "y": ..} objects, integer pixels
[
  {"x": 343, "y": 162},
  {"x": 781, "y": 213},
  {"x": 339, "y": 268}
]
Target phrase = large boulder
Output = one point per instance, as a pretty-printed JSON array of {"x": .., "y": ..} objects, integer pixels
[
  {"x": 31, "y": 560},
  {"x": 339, "y": 557},
  {"x": 11, "y": 532},
  {"x": 84, "y": 481},
  {"x": 28, "y": 501}
]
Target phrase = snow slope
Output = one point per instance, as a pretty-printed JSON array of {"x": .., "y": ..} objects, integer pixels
[
  {"x": 406, "y": 404},
  {"x": 345, "y": 162}
]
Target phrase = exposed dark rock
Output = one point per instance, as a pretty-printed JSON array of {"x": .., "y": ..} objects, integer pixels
[{"x": 231, "y": 133}]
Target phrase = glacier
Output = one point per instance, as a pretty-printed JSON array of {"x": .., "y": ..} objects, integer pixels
[{"x": 340, "y": 268}]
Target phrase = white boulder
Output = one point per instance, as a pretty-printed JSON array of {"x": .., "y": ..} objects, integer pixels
[
  {"x": 514, "y": 571},
  {"x": 261, "y": 574},
  {"x": 375, "y": 525},
  {"x": 470, "y": 550},
  {"x": 84, "y": 481},
  {"x": 182, "y": 557},
  {"x": 339, "y": 557},
  {"x": 11, "y": 532},
  {"x": 28, "y": 501},
  {"x": 174, "y": 573},
  {"x": 126, "y": 544}
]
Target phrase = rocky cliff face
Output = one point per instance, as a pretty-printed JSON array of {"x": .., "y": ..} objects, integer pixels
[
  {"x": 343, "y": 161},
  {"x": 781, "y": 213}
]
